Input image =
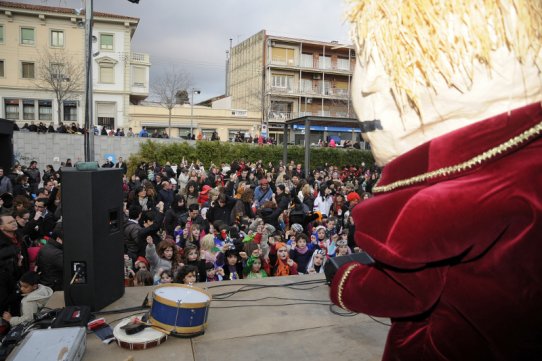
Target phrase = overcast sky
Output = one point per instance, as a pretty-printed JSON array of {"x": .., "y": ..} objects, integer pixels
[{"x": 193, "y": 35}]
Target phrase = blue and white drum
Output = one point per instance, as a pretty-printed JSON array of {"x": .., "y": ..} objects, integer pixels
[{"x": 180, "y": 309}]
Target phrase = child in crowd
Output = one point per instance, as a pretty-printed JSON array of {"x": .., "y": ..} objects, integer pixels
[
  {"x": 281, "y": 263},
  {"x": 141, "y": 263},
  {"x": 317, "y": 262},
  {"x": 208, "y": 249},
  {"x": 166, "y": 276},
  {"x": 342, "y": 248},
  {"x": 187, "y": 275},
  {"x": 212, "y": 273},
  {"x": 143, "y": 277},
  {"x": 194, "y": 234},
  {"x": 192, "y": 257},
  {"x": 300, "y": 253},
  {"x": 161, "y": 258},
  {"x": 231, "y": 261},
  {"x": 35, "y": 296},
  {"x": 322, "y": 240},
  {"x": 254, "y": 267}
]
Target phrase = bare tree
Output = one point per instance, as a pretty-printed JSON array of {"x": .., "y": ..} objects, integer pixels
[
  {"x": 167, "y": 88},
  {"x": 61, "y": 74}
]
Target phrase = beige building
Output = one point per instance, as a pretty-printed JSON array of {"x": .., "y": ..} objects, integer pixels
[
  {"x": 225, "y": 122},
  {"x": 286, "y": 78},
  {"x": 35, "y": 39}
]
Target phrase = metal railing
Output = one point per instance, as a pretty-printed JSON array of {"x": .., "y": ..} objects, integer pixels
[
  {"x": 311, "y": 65},
  {"x": 310, "y": 91},
  {"x": 278, "y": 115}
]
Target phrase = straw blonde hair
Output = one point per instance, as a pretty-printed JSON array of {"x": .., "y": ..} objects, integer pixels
[{"x": 421, "y": 42}]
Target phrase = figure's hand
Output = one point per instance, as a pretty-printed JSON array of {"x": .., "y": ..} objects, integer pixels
[
  {"x": 220, "y": 271},
  {"x": 290, "y": 262},
  {"x": 243, "y": 255},
  {"x": 293, "y": 244},
  {"x": 38, "y": 215},
  {"x": 6, "y": 316}
]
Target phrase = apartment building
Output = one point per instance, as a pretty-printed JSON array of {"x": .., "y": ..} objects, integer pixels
[
  {"x": 286, "y": 78},
  {"x": 44, "y": 42}
]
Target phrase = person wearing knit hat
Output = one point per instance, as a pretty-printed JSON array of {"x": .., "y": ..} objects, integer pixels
[
  {"x": 353, "y": 198},
  {"x": 449, "y": 94},
  {"x": 141, "y": 263}
]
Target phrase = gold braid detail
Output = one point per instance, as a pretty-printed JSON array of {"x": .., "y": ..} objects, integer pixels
[
  {"x": 475, "y": 161},
  {"x": 341, "y": 285}
]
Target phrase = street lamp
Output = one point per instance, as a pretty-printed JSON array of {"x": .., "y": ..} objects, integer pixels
[
  {"x": 89, "y": 39},
  {"x": 192, "y": 92}
]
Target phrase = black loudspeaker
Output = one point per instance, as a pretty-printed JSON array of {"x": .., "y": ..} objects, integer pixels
[
  {"x": 93, "y": 242},
  {"x": 6, "y": 145}
]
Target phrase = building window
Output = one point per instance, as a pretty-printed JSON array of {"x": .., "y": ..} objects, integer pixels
[
  {"x": 11, "y": 107},
  {"x": 281, "y": 81},
  {"x": 325, "y": 62},
  {"x": 45, "y": 110},
  {"x": 70, "y": 110},
  {"x": 207, "y": 133},
  {"x": 343, "y": 64},
  {"x": 139, "y": 74},
  {"x": 1, "y": 34},
  {"x": 107, "y": 73},
  {"x": 57, "y": 38},
  {"x": 106, "y": 41},
  {"x": 29, "y": 109},
  {"x": 233, "y": 134},
  {"x": 307, "y": 61},
  {"x": 282, "y": 56},
  {"x": 27, "y": 70},
  {"x": 27, "y": 36},
  {"x": 1, "y": 68},
  {"x": 105, "y": 113}
]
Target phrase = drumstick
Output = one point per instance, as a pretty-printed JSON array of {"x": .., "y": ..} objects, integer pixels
[{"x": 157, "y": 328}]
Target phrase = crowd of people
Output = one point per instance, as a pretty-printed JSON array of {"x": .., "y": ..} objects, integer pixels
[{"x": 189, "y": 223}]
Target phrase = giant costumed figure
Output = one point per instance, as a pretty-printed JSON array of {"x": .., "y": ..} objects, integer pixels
[{"x": 449, "y": 95}]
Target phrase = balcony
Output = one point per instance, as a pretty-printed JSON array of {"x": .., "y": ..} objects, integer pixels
[
  {"x": 278, "y": 116},
  {"x": 140, "y": 58},
  {"x": 312, "y": 65},
  {"x": 295, "y": 90}
]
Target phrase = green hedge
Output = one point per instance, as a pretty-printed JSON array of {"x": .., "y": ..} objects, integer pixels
[{"x": 218, "y": 152}]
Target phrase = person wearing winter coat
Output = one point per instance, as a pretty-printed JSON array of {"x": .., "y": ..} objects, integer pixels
[{"x": 35, "y": 297}]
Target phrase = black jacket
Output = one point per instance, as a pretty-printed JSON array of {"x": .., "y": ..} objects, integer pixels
[
  {"x": 9, "y": 273},
  {"x": 50, "y": 265},
  {"x": 218, "y": 213}
]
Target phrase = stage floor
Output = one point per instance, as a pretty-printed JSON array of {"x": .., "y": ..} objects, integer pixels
[{"x": 267, "y": 320}]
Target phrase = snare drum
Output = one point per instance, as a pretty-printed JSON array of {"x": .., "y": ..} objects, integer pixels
[
  {"x": 143, "y": 340},
  {"x": 180, "y": 309}
]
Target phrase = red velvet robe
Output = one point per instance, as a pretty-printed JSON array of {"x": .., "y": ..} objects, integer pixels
[{"x": 459, "y": 255}]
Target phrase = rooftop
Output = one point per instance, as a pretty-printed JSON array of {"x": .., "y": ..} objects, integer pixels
[{"x": 60, "y": 10}]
